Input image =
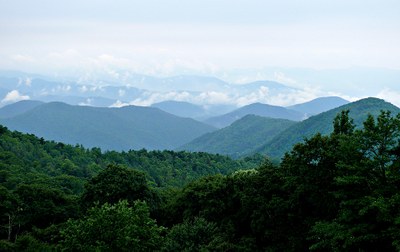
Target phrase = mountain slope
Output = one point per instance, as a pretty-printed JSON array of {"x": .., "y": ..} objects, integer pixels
[
  {"x": 259, "y": 109},
  {"x": 322, "y": 123},
  {"x": 123, "y": 128},
  {"x": 18, "y": 108},
  {"x": 241, "y": 138},
  {"x": 190, "y": 110},
  {"x": 319, "y": 105},
  {"x": 182, "y": 109}
]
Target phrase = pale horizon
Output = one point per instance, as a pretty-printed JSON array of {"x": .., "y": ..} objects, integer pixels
[{"x": 344, "y": 48}]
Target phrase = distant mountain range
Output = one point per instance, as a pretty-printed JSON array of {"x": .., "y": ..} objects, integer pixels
[
  {"x": 242, "y": 137},
  {"x": 138, "y": 90},
  {"x": 259, "y": 109},
  {"x": 169, "y": 124},
  {"x": 135, "y": 127},
  {"x": 125, "y": 128},
  {"x": 204, "y": 113}
]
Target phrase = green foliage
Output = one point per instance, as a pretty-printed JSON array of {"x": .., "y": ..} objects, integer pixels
[
  {"x": 28, "y": 159},
  {"x": 113, "y": 227},
  {"x": 116, "y": 183},
  {"x": 343, "y": 124},
  {"x": 40, "y": 206},
  {"x": 337, "y": 192},
  {"x": 194, "y": 235},
  {"x": 41, "y": 181},
  {"x": 333, "y": 192}
]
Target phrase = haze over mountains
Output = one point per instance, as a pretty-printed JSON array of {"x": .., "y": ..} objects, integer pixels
[
  {"x": 134, "y": 127},
  {"x": 147, "y": 90},
  {"x": 106, "y": 118}
]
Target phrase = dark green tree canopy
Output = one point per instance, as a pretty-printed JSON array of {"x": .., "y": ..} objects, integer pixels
[{"x": 116, "y": 183}]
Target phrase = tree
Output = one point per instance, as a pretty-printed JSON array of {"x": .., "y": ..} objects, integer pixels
[
  {"x": 40, "y": 206},
  {"x": 113, "y": 227},
  {"x": 379, "y": 140},
  {"x": 117, "y": 183},
  {"x": 367, "y": 186},
  {"x": 194, "y": 235},
  {"x": 8, "y": 213},
  {"x": 343, "y": 124}
]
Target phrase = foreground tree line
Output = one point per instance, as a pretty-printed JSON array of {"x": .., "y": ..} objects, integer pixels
[{"x": 331, "y": 193}]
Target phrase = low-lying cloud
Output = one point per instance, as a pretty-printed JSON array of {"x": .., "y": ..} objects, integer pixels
[
  {"x": 14, "y": 96},
  {"x": 390, "y": 96}
]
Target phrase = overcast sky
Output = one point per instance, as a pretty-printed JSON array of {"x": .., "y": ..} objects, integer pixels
[
  {"x": 236, "y": 40},
  {"x": 168, "y": 37}
]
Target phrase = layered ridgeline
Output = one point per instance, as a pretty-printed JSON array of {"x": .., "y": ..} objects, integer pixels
[
  {"x": 259, "y": 109},
  {"x": 248, "y": 134},
  {"x": 322, "y": 123},
  {"x": 125, "y": 128},
  {"x": 241, "y": 138}
]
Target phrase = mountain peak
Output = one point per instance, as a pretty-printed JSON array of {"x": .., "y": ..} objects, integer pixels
[
  {"x": 259, "y": 109},
  {"x": 322, "y": 123},
  {"x": 319, "y": 105}
]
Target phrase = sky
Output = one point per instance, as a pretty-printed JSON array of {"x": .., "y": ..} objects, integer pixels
[{"x": 209, "y": 37}]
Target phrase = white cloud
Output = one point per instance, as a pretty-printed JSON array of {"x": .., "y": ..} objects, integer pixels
[
  {"x": 390, "y": 96},
  {"x": 213, "y": 97},
  {"x": 282, "y": 78},
  {"x": 261, "y": 95},
  {"x": 149, "y": 98},
  {"x": 14, "y": 96},
  {"x": 294, "y": 97},
  {"x": 119, "y": 104}
]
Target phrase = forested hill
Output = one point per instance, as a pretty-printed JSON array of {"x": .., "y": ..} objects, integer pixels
[
  {"x": 131, "y": 127},
  {"x": 259, "y": 109},
  {"x": 339, "y": 192},
  {"x": 241, "y": 138},
  {"x": 322, "y": 123},
  {"x": 28, "y": 159}
]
